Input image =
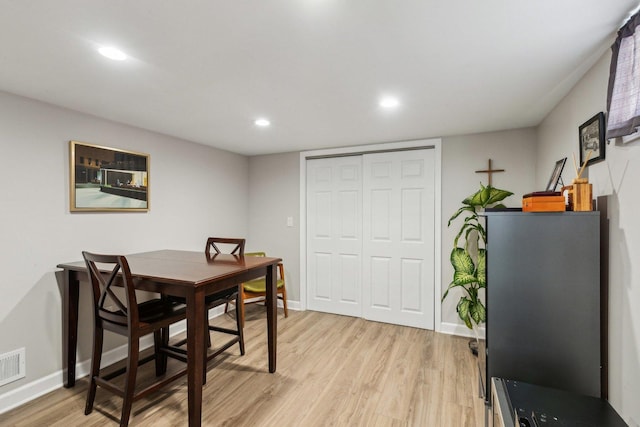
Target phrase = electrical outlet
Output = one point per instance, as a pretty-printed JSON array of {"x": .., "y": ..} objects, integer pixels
[{"x": 289, "y": 221}]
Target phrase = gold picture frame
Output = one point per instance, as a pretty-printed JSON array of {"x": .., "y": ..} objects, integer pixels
[{"x": 105, "y": 179}]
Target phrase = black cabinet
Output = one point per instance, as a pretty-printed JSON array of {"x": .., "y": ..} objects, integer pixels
[{"x": 543, "y": 300}]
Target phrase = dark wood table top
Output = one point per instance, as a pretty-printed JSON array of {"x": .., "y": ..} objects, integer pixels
[{"x": 184, "y": 267}]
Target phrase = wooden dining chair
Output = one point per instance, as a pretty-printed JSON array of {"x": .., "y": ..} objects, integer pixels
[
  {"x": 234, "y": 246},
  {"x": 125, "y": 316},
  {"x": 256, "y": 288}
]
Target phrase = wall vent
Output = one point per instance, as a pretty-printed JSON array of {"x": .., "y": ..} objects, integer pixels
[{"x": 12, "y": 366}]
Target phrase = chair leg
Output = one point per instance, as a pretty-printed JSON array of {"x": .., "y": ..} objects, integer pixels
[
  {"x": 240, "y": 306},
  {"x": 95, "y": 368},
  {"x": 130, "y": 380},
  {"x": 207, "y": 335},
  {"x": 160, "y": 340},
  {"x": 284, "y": 301},
  {"x": 207, "y": 339},
  {"x": 239, "y": 322}
]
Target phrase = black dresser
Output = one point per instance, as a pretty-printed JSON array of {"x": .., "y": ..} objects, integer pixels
[{"x": 543, "y": 300}]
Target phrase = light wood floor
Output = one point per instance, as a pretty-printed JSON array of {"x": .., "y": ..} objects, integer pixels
[{"x": 332, "y": 371}]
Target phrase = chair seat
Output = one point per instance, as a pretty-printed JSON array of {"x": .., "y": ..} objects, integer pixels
[
  {"x": 152, "y": 311},
  {"x": 221, "y": 297},
  {"x": 258, "y": 285},
  {"x": 156, "y": 309}
]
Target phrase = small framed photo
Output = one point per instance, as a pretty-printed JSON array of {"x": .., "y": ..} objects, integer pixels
[
  {"x": 104, "y": 179},
  {"x": 592, "y": 144},
  {"x": 555, "y": 175}
]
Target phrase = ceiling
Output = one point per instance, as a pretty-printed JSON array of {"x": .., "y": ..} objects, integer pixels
[{"x": 204, "y": 70}]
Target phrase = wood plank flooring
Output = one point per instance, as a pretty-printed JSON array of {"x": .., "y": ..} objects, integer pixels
[{"x": 332, "y": 371}]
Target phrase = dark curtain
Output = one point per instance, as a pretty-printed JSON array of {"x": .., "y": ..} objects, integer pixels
[{"x": 623, "y": 95}]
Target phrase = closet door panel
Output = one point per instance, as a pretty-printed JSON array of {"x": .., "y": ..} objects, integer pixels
[
  {"x": 398, "y": 227},
  {"x": 334, "y": 235}
]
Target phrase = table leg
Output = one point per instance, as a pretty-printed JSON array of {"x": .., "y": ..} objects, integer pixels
[
  {"x": 272, "y": 314},
  {"x": 70, "y": 293},
  {"x": 195, "y": 355}
]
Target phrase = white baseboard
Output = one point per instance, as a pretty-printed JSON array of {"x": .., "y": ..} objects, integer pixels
[
  {"x": 293, "y": 305},
  {"x": 460, "y": 330},
  {"x": 44, "y": 385},
  {"x": 30, "y": 391}
]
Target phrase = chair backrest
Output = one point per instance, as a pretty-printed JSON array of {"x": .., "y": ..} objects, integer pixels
[
  {"x": 125, "y": 311},
  {"x": 264, "y": 254},
  {"x": 237, "y": 245}
]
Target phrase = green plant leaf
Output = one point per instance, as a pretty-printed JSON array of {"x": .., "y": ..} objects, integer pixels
[
  {"x": 470, "y": 224},
  {"x": 459, "y": 211},
  {"x": 482, "y": 233},
  {"x": 463, "y": 311},
  {"x": 476, "y": 198},
  {"x": 486, "y": 196},
  {"x": 464, "y": 267},
  {"x": 481, "y": 269},
  {"x": 468, "y": 236},
  {"x": 451, "y": 286},
  {"x": 495, "y": 195},
  {"x": 477, "y": 312},
  {"x": 462, "y": 278},
  {"x": 461, "y": 261}
]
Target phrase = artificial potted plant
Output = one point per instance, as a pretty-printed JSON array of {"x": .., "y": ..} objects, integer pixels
[{"x": 469, "y": 259}]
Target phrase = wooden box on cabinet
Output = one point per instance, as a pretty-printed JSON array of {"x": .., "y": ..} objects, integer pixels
[{"x": 543, "y": 204}]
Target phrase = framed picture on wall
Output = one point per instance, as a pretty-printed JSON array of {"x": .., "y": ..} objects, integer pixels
[
  {"x": 592, "y": 145},
  {"x": 104, "y": 179}
]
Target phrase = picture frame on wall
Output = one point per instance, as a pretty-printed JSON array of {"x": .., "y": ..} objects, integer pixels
[
  {"x": 105, "y": 179},
  {"x": 592, "y": 140}
]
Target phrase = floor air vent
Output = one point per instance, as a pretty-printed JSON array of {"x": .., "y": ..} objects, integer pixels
[{"x": 12, "y": 366}]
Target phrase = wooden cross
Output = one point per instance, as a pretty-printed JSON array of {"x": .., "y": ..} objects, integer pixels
[{"x": 490, "y": 171}]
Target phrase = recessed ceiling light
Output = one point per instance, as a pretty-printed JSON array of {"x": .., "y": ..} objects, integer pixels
[
  {"x": 262, "y": 122},
  {"x": 389, "y": 102},
  {"x": 112, "y": 53}
]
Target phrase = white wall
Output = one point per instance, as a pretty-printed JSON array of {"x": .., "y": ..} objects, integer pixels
[
  {"x": 616, "y": 177},
  {"x": 558, "y": 133},
  {"x": 274, "y": 194},
  {"x": 195, "y": 191}
]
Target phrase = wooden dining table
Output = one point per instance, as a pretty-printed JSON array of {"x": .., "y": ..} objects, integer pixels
[{"x": 190, "y": 275}]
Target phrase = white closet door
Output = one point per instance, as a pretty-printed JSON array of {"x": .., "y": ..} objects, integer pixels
[
  {"x": 398, "y": 237},
  {"x": 334, "y": 235}
]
